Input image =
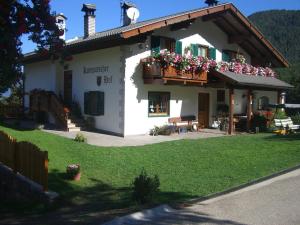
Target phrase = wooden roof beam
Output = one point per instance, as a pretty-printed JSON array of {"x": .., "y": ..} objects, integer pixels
[
  {"x": 182, "y": 26},
  {"x": 215, "y": 16}
]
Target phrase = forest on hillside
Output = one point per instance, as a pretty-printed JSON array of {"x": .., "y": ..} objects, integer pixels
[{"x": 282, "y": 28}]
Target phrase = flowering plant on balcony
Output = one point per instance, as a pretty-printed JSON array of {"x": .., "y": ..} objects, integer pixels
[{"x": 188, "y": 63}]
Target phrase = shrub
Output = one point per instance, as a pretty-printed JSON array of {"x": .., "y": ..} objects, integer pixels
[
  {"x": 222, "y": 109},
  {"x": 76, "y": 109},
  {"x": 296, "y": 118},
  {"x": 80, "y": 138},
  {"x": 163, "y": 130},
  {"x": 90, "y": 122},
  {"x": 145, "y": 187},
  {"x": 259, "y": 121},
  {"x": 280, "y": 114}
]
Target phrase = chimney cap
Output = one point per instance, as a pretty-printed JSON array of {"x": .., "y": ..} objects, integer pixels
[
  {"x": 88, "y": 8},
  {"x": 61, "y": 15},
  {"x": 127, "y": 5}
]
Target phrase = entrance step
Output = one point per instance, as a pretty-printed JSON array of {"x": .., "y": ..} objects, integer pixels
[{"x": 74, "y": 129}]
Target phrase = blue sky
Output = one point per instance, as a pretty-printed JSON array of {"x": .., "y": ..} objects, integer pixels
[{"x": 108, "y": 12}]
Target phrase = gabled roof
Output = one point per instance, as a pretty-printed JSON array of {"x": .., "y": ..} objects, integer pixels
[{"x": 239, "y": 29}]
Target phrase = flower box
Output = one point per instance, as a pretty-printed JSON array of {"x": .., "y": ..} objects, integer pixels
[
  {"x": 170, "y": 71},
  {"x": 187, "y": 75},
  {"x": 200, "y": 75},
  {"x": 152, "y": 70}
]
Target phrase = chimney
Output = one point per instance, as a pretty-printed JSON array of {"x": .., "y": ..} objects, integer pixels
[
  {"x": 61, "y": 24},
  {"x": 126, "y": 19},
  {"x": 212, "y": 2},
  {"x": 89, "y": 19}
]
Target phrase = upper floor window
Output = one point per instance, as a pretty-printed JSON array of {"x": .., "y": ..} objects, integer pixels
[
  {"x": 229, "y": 55},
  {"x": 160, "y": 43},
  {"x": 199, "y": 50}
]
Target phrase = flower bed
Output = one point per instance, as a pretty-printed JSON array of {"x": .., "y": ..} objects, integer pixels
[{"x": 171, "y": 63}]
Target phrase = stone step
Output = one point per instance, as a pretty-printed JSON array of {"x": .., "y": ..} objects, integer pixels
[
  {"x": 74, "y": 129},
  {"x": 71, "y": 125}
]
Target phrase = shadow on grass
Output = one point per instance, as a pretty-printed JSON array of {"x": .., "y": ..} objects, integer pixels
[
  {"x": 18, "y": 125},
  {"x": 289, "y": 137},
  {"x": 86, "y": 205}
]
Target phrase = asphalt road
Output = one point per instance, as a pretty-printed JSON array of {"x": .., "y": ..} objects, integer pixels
[{"x": 273, "y": 202}]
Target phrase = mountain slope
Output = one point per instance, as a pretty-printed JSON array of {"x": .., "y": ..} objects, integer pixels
[{"x": 282, "y": 28}]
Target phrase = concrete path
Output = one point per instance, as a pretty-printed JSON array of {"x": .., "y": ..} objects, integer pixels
[
  {"x": 138, "y": 140},
  {"x": 273, "y": 202}
]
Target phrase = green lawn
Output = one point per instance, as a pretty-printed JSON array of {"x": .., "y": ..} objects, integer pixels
[{"x": 187, "y": 168}]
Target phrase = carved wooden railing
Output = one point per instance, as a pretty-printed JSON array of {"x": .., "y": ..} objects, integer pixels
[
  {"x": 61, "y": 112},
  {"x": 47, "y": 101}
]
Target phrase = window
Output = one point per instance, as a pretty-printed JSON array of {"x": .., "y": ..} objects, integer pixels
[
  {"x": 203, "y": 51},
  {"x": 159, "y": 104},
  {"x": 229, "y": 55},
  {"x": 159, "y": 43},
  {"x": 169, "y": 44},
  {"x": 94, "y": 103},
  {"x": 220, "y": 96},
  {"x": 199, "y": 50},
  {"x": 263, "y": 103}
]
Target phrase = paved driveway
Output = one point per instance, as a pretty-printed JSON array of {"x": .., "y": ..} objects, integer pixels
[
  {"x": 273, "y": 202},
  {"x": 99, "y": 139}
]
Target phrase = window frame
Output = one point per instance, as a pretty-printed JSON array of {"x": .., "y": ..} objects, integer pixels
[
  {"x": 260, "y": 106},
  {"x": 206, "y": 50},
  {"x": 166, "y": 114},
  {"x": 232, "y": 54},
  {"x": 97, "y": 111}
]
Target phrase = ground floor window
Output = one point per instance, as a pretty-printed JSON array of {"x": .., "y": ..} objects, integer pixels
[
  {"x": 94, "y": 103},
  {"x": 263, "y": 103},
  {"x": 159, "y": 104}
]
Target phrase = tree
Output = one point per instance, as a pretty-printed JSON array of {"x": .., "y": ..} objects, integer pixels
[
  {"x": 292, "y": 76},
  {"x": 31, "y": 17}
]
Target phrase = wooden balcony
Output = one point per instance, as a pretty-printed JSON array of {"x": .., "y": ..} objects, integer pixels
[{"x": 155, "y": 74}]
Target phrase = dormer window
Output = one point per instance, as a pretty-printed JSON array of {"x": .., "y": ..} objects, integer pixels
[{"x": 199, "y": 50}]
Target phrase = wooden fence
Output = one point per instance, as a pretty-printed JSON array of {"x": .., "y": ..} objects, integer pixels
[
  {"x": 24, "y": 158},
  {"x": 10, "y": 111}
]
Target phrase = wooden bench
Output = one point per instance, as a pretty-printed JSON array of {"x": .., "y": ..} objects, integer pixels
[
  {"x": 183, "y": 121},
  {"x": 286, "y": 123}
]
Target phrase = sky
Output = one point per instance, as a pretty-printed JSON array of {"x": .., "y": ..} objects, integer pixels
[{"x": 108, "y": 14}]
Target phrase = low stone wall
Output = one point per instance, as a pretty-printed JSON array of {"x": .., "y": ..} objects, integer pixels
[{"x": 16, "y": 188}]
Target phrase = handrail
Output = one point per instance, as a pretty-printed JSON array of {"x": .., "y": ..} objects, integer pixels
[{"x": 48, "y": 101}]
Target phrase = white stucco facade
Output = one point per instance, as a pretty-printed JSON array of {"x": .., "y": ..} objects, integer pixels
[{"x": 126, "y": 96}]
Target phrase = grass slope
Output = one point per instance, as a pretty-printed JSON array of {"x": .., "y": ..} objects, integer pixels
[{"x": 187, "y": 168}]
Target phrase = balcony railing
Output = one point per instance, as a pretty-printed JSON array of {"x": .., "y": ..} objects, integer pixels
[{"x": 155, "y": 72}]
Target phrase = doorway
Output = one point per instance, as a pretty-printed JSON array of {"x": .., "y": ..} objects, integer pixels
[
  {"x": 203, "y": 110},
  {"x": 68, "y": 78}
]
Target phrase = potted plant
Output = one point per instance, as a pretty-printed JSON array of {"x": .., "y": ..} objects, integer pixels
[{"x": 73, "y": 172}]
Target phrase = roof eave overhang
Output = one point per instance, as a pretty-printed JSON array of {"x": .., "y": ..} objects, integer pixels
[{"x": 237, "y": 84}]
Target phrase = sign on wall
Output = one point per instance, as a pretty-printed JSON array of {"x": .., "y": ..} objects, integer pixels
[
  {"x": 99, "y": 69},
  {"x": 106, "y": 80}
]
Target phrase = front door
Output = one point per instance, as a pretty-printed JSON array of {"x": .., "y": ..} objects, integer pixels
[
  {"x": 203, "y": 110},
  {"x": 68, "y": 88}
]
